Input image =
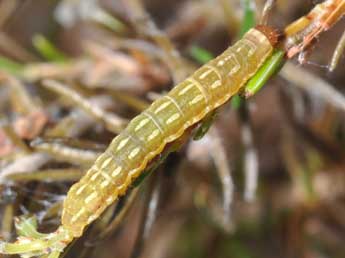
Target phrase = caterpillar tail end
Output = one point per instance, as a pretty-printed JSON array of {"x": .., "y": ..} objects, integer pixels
[{"x": 31, "y": 243}]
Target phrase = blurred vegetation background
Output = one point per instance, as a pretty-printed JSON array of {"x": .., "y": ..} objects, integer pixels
[{"x": 267, "y": 181}]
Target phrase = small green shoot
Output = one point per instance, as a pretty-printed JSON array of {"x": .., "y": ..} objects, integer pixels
[
  {"x": 10, "y": 66},
  {"x": 266, "y": 71},
  {"x": 200, "y": 54},
  {"x": 47, "y": 49}
]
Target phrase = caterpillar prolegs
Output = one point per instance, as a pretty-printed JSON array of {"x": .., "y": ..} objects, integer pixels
[{"x": 164, "y": 121}]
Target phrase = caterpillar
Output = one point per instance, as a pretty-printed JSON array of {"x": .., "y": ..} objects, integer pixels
[
  {"x": 146, "y": 136},
  {"x": 163, "y": 122}
]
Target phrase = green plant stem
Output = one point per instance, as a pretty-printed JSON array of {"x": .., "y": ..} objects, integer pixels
[{"x": 266, "y": 71}]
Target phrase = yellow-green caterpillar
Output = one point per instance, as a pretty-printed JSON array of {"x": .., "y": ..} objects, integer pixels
[
  {"x": 145, "y": 137},
  {"x": 163, "y": 122}
]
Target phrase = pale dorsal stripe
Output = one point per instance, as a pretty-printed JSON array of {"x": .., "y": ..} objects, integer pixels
[
  {"x": 205, "y": 74},
  {"x": 215, "y": 70},
  {"x": 216, "y": 84},
  {"x": 251, "y": 45},
  {"x": 175, "y": 103},
  {"x": 202, "y": 90},
  {"x": 76, "y": 216},
  {"x": 162, "y": 107},
  {"x": 151, "y": 117},
  {"x": 185, "y": 89},
  {"x": 107, "y": 177},
  {"x": 121, "y": 162},
  {"x": 236, "y": 66},
  {"x": 90, "y": 197},
  {"x": 134, "y": 137}
]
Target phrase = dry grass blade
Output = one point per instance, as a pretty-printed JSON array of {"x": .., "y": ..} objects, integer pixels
[
  {"x": 7, "y": 221},
  {"x": 251, "y": 163},
  {"x": 303, "y": 32},
  {"x": 13, "y": 49},
  {"x": 63, "y": 150},
  {"x": 112, "y": 122},
  {"x": 218, "y": 154},
  {"x": 15, "y": 139},
  {"x": 120, "y": 216},
  {"x": 338, "y": 52},
  {"x": 54, "y": 175},
  {"x": 269, "y": 5},
  {"x": 78, "y": 121},
  {"x": 24, "y": 164},
  {"x": 313, "y": 85},
  {"x": 149, "y": 216},
  {"x": 145, "y": 25},
  {"x": 22, "y": 101}
]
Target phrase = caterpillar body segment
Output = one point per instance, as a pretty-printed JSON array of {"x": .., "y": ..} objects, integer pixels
[{"x": 164, "y": 121}]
